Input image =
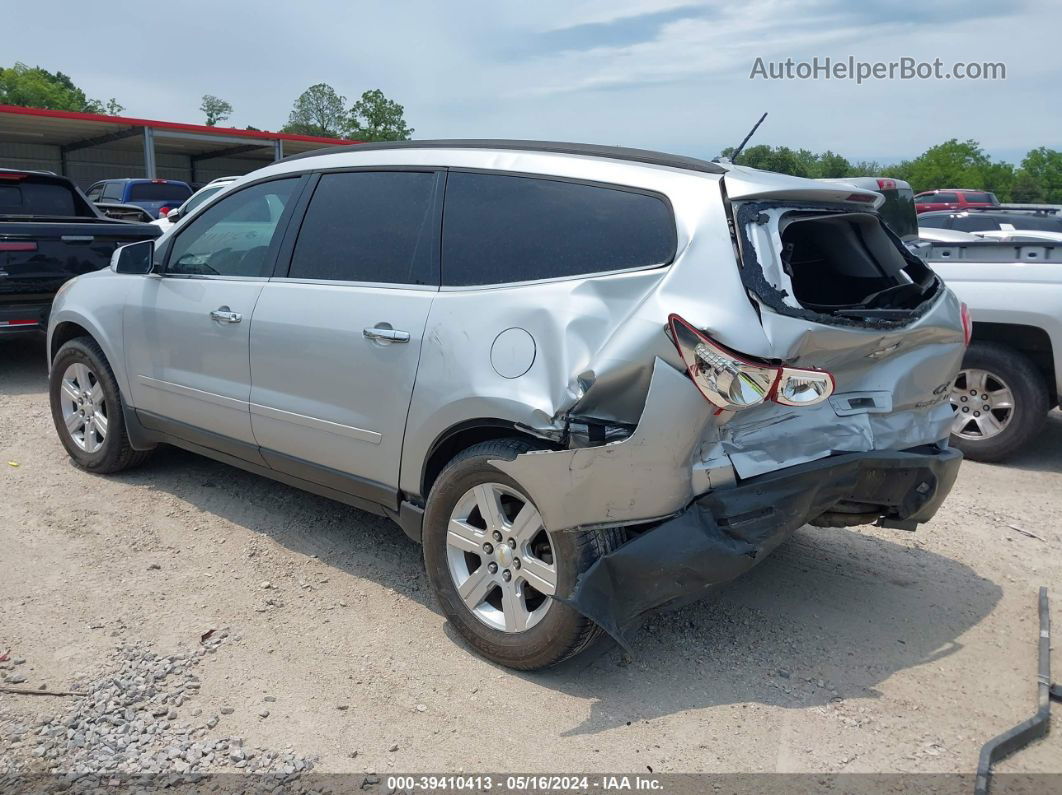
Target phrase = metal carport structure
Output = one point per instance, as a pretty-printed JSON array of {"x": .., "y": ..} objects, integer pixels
[{"x": 88, "y": 147}]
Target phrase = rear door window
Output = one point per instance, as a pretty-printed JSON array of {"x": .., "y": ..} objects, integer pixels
[
  {"x": 369, "y": 226},
  {"x": 113, "y": 191},
  {"x": 980, "y": 198},
  {"x": 950, "y": 198},
  {"x": 499, "y": 228}
]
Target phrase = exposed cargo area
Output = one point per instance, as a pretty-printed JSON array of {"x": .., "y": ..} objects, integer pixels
[{"x": 833, "y": 261}]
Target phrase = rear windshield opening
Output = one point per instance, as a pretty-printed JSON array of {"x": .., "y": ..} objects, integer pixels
[
  {"x": 845, "y": 262},
  {"x": 158, "y": 191},
  {"x": 35, "y": 198}
]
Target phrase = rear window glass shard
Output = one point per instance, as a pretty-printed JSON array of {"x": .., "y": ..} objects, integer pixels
[{"x": 500, "y": 228}]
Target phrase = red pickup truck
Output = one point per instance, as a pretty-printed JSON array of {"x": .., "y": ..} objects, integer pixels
[{"x": 954, "y": 199}]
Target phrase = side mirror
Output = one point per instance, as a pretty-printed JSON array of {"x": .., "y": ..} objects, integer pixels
[
  {"x": 136, "y": 258},
  {"x": 174, "y": 215}
]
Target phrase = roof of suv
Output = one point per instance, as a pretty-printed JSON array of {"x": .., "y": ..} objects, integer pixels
[{"x": 559, "y": 147}]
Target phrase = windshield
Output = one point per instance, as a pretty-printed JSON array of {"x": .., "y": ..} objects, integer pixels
[
  {"x": 158, "y": 191},
  {"x": 199, "y": 198}
]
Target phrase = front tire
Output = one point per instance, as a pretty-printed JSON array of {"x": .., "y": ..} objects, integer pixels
[
  {"x": 1000, "y": 402},
  {"x": 87, "y": 409},
  {"x": 494, "y": 567}
]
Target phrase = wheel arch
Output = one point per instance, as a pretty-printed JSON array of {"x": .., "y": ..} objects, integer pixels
[
  {"x": 460, "y": 437},
  {"x": 1032, "y": 341},
  {"x": 63, "y": 333}
]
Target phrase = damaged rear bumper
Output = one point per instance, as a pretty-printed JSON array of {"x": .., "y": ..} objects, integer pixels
[{"x": 723, "y": 534}]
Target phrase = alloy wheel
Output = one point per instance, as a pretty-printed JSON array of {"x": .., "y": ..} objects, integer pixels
[
  {"x": 84, "y": 407},
  {"x": 983, "y": 405},
  {"x": 501, "y": 558}
]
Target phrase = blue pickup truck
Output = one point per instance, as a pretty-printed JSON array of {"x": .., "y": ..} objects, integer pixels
[{"x": 157, "y": 196}]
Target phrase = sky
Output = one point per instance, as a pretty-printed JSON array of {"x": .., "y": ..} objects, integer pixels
[{"x": 660, "y": 74}]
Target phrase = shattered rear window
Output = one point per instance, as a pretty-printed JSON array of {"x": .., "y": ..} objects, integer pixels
[{"x": 831, "y": 264}]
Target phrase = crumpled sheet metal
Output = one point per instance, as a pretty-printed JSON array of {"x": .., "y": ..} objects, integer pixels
[
  {"x": 725, "y": 533},
  {"x": 646, "y": 476},
  {"x": 811, "y": 433}
]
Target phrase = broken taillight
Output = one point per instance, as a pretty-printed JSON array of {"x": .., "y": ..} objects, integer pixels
[
  {"x": 732, "y": 382},
  {"x": 803, "y": 387}
]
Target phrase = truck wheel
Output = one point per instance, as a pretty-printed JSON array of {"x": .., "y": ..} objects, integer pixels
[
  {"x": 87, "y": 409},
  {"x": 494, "y": 567},
  {"x": 1000, "y": 402}
]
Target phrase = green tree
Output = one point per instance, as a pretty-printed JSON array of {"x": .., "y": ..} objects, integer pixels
[
  {"x": 1044, "y": 166},
  {"x": 319, "y": 110},
  {"x": 959, "y": 164},
  {"x": 769, "y": 158},
  {"x": 1027, "y": 189},
  {"x": 34, "y": 87},
  {"x": 374, "y": 117},
  {"x": 215, "y": 109},
  {"x": 832, "y": 165}
]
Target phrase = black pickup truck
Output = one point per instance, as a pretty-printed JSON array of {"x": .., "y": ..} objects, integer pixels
[{"x": 50, "y": 233}]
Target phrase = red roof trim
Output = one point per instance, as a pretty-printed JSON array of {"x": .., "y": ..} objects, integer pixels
[{"x": 170, "y": 125}]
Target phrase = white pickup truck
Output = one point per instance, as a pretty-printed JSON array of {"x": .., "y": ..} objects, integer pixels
[{"x": 1012, "y": 372}]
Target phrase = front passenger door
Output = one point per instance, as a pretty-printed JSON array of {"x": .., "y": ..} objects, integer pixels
[{"x": 187, "y": 333}]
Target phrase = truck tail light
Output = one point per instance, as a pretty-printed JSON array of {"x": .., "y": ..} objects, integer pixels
[
  {"x": 163, "y": 212},
  {"x": 731, "y": 382},
  {"x": 967, "y": 325}
]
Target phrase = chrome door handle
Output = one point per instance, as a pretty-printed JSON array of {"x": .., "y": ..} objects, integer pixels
[
  {"x": 224, "y": 315},
  {"x": 386, "y": 334}
]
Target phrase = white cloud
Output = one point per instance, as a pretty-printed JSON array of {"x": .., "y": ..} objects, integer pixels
[{"x": 658, "y": 73}]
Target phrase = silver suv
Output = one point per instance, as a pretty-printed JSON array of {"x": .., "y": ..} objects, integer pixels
[{"x": 592, "y": 381}]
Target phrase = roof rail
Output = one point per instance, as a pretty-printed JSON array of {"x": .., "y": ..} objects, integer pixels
[{"x": 559, "y": 147}]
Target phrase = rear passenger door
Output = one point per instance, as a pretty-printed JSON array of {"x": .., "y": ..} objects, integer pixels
[{"x": 336, "y": 340}]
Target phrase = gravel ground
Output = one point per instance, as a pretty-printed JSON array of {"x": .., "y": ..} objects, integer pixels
[{"x": 861, "y": 650}]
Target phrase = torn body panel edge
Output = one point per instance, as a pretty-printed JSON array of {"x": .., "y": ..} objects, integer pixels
[
  {"x": 608, "y": 484},
  {"x": 721, "y": 535}
]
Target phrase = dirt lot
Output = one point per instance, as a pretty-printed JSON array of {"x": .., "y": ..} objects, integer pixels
[{"x": 867, "y": 650}]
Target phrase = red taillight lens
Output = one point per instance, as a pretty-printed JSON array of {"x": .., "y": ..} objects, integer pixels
[
  {"x": 724, "y": 378},
  {"x": 732, "y": 382},
  {"x": 967, "y": 325},
  {"x": 886, "y": 184},
  {"x": 19, "y": 246},
  {"x": 163, "y": 212}
]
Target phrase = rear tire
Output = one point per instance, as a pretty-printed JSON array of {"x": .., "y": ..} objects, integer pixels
[
  {"x": 87, "y": 409},
  {"x": 1003, "y": 377},
  {"x": 554, "y": 631}
]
